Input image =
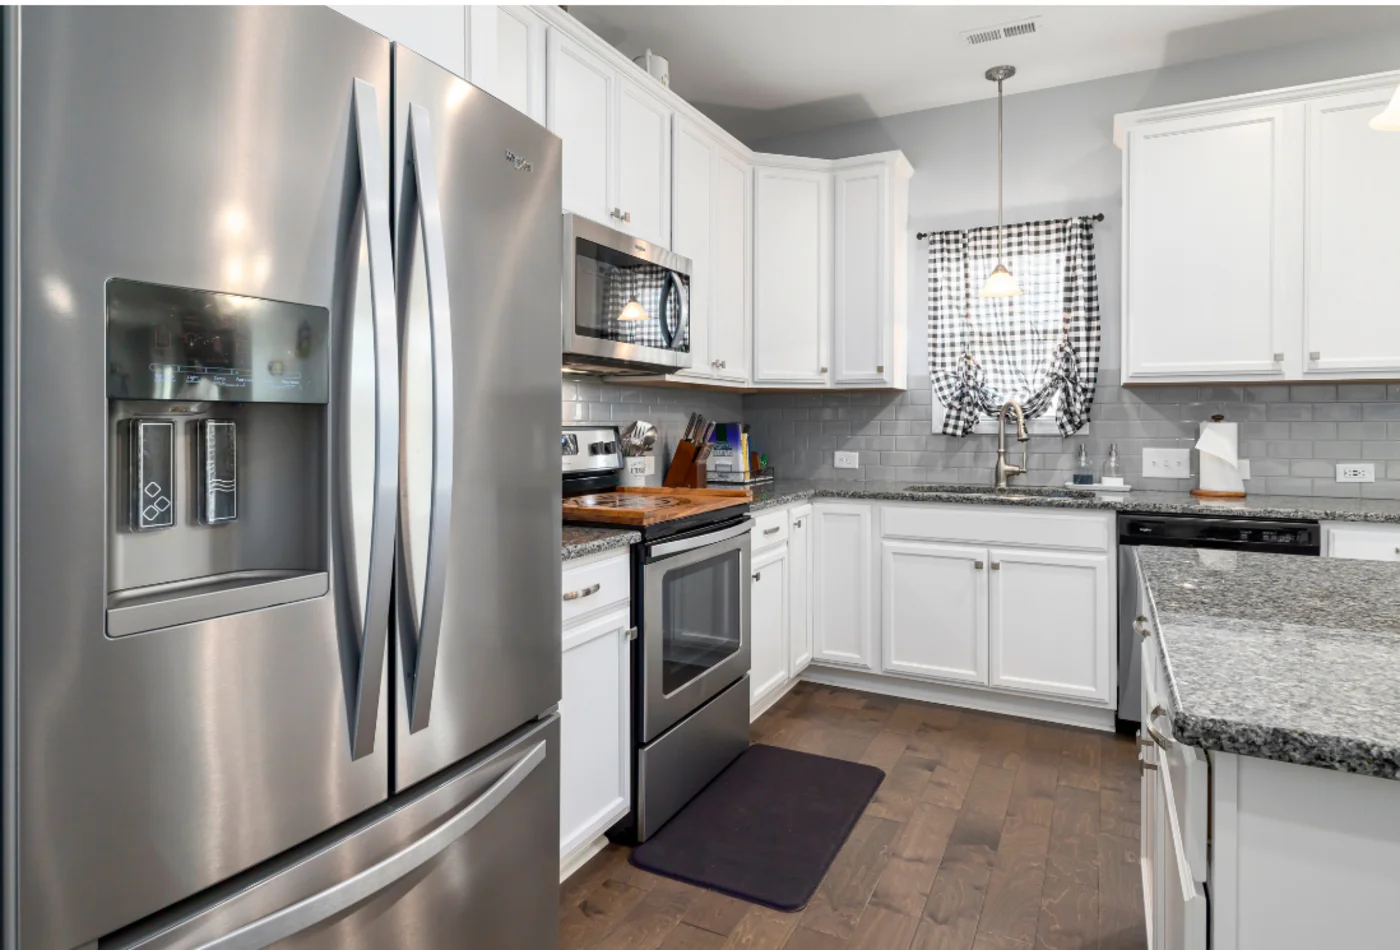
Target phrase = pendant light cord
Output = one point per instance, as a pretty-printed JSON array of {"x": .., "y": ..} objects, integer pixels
[{"x": 1000, "y": 173}]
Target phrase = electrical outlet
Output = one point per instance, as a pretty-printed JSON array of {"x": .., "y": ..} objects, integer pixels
[
  {"x": 847, "y": 460},
  {"x": 1166, "y": 463},
  {"x": 1356, "y": 471}
]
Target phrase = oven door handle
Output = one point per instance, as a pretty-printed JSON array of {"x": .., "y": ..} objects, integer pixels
[{"x": 704, "y": 540}]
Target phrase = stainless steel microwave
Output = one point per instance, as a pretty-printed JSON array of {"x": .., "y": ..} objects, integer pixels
[{"x": 626, "y": 302}]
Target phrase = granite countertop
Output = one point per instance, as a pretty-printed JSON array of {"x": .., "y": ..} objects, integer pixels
[
  {"x": 1290, "y": 658},
  {"x": 787, "y": 491},
  {"x": 583, "y": 540}
]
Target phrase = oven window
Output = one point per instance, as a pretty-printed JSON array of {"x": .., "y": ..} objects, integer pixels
[
  {"x": 699, "y": 619},
  {"x": 627, "y": 300}
]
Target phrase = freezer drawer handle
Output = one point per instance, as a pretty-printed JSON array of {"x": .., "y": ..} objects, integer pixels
[
  {"x": 369, "y": 647},
  {"x": 318, "y": 907},
  {"x": 420, "y": 622},
  {"x": 588, "y": 591}
]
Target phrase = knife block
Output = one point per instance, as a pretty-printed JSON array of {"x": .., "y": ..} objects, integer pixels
[{"x": 683, "y": 471}]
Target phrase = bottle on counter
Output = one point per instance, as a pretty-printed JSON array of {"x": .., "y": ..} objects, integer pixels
[
  {"x": 1083, "y": 469},
  {"x": 1112, "y": 468}
]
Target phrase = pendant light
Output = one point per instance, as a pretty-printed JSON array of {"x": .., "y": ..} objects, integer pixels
[
  {"x": 1389, "y": 120},
  {"x": 1000, "y": 282},
  {"x": 633, "y": 311}
]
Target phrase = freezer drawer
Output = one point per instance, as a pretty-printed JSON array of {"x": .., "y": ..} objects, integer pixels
[{"x": 472, "y": 852}]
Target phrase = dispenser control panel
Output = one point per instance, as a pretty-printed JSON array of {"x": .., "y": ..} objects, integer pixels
[{"x": 172, "y": 343}]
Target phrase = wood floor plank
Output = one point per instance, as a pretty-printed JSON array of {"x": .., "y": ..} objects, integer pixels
[
  {"x": 1033, "y": 791},
  {"x": 762, "y": 928},
  {"x": 1119, "y": 813},
  {"x": 1120, "y": 895},
  {"x": 882, "y": 929},
  {"x": 586, "y": 878},
  {"x": 993, "y": 942},
  {"x": 902, "y": 787},
  {"x": 1074, "y": 838},
  {"x": 885, "y": 750},
  {"x": 1012, "y": 905},
  {"x": 651, "y": 921},
  {"x": 990, "y": 791},
  {"x": 951, "y": 746},
  {"x": 686, "y": 937},
  {"x": 804, "y": 939},
  {"x": 597, "y": 914},
  {"x": 954, "y": 902},
  {"x": 1069, "y": 918},
  {"x": 918, "y": 850},
  {"x": 1079, "y": 766},
  {"x": 947, "y": 787},
  {"x": 905, "y": 718},
  {"x": 716, "y": 912},
  {"x": 836, "y": 907},
  {"x": 1002, "y": 741}
]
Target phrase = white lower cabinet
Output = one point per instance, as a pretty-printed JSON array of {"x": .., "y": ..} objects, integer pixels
[
  {"x": 934, "y": 610},
  {"x": 1361, "y": 542},
  {"x": 1051, "y": 623},
  {"x": 842, "y": 556},
  {"x": 768, "y": 612},
  {"x": 799, "y": 590},
  {"x": 595, "y": 785}
]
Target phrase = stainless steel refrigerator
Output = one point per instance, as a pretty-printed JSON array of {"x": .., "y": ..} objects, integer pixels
[{"x": 281, "y": 498}]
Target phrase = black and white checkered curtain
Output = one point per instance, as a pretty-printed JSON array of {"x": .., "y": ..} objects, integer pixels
[{"x": 984, "y": 351}]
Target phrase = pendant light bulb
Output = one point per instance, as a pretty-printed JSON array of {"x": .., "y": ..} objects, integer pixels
[
  {"x": 633, "y": 311},
  {"x": 1389, "y": 120},
  {"x": 1000, "y": 282}
]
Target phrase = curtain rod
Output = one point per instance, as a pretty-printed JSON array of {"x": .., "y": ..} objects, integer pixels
[{"x": 926, "y": 234}]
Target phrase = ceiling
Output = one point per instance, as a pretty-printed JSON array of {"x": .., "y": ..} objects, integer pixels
[{"x": 769, "y": 70}]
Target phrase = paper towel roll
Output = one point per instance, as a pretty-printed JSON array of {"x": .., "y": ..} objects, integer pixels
[{"x": 1219, "y": 446}]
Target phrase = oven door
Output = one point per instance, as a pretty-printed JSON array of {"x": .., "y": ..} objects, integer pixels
[{"x": 695, "y": 623}]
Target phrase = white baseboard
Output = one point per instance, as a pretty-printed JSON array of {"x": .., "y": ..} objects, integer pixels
[
  {"x": 1026, "y": 707},
  {"x": 771, "y": 700},
  {"x": 580, "y": 856}
]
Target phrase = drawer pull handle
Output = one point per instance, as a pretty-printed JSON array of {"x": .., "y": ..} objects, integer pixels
[
  {"x": 1165, "y": 741},
  {"x": 773, "y": 530},
  {"x": 588, "y": 591},
  {"x": 758, "y": 575},
  {"x": 1143, "y": 630}
]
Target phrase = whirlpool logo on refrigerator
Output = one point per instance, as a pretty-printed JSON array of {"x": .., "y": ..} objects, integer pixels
[{"x": 519, "y": 163}]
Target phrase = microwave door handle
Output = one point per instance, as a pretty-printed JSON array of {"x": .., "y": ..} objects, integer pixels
[
  {"x": 664, "y": 317},
  {"x": 420, "y": 635},
  {"x": 683, "y": 301},
  {"x": 371, "y": 638}
]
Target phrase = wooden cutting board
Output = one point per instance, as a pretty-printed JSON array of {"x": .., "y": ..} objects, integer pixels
[{"x": 640, "y": 506}]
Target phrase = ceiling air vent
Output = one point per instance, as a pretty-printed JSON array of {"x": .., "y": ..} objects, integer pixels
[{"x": 1003, "y": 31}]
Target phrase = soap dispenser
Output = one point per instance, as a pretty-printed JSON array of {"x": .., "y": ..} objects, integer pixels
[
  {"x": 1113, "y": 469},
  {"x": 1083, "y": 469}
]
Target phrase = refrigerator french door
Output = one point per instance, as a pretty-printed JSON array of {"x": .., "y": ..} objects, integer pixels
[{"x": 235, "y": 439}]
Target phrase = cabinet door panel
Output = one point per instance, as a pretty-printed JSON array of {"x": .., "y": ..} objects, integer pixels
[
  {"x": 520, "y": 60},
  {"x": 862, "y": 307},
  {"x": 841, "y": 582},
  {"x": 768, "y": 612},
  {"x": 595, "y": 745},
  {"x": 643, "y": 163},
  {"x": 799, "y": 591},
  {"x": 692, "y": 216},
  {"x": 1362, "y": 542},
  {"x": 792, "y": 298},
  {"x": 580, "y": 111},
  {"x": 730, "y": 302},
  {"x": 1200, "y": 300},
  {"x": 934, "y": 610},
  {"x": 1051, "y": 629},
  {"x": 1352, "y": 241}
]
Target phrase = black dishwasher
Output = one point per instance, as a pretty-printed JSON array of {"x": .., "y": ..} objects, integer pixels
[{"x": 1262, "y": 535}]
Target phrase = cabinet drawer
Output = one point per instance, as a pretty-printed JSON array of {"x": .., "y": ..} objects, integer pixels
[
  {"x": 1362, "y": 542},
  {"x": 770, "y": 528},
  {"x": 990, "y": 525},
  {"x": 590, "y": 587}
]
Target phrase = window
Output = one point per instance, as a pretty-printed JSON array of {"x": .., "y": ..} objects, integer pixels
[{"x": 1040, "y": 349}]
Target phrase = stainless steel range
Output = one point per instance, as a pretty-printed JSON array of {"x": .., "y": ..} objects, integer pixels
[{"x": 690, "y": 605}]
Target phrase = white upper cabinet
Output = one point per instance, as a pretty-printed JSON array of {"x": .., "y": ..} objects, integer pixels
[
  {"x": 1352, "y": 237},
  {"x": 730, "y": 297},
  {"x": 1206, "y": 235},
  {"x": 692, "y": 232},
  {"x": 579, "y": 107},
  {"x": 1253, "y": 230},
  {"x": 869, "y": 272},
  {"x": 642, "y": 163},
  {"x": 438, "y": 33},
  {"x": 507, "y": 53},
  {"x": 792, "y": 275}
]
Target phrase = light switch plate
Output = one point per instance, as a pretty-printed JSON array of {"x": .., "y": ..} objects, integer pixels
[
  {"x": 847, "y": 460},
  {"x": 1356, "y": 471},
  {"x": 1166, "y": 463}
]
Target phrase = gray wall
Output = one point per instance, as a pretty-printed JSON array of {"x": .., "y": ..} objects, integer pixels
[{"x": 1061, "y": 161}]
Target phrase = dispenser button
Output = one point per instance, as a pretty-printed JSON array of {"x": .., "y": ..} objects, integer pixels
[{"x": 152, "y": 474}]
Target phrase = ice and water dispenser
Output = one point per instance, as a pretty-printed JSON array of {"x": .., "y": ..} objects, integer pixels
[{"x": 217, "y": 454}]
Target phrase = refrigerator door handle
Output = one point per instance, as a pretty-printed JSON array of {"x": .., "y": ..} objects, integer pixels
[
  {"x": 420, "y": 191},
  {"x": 374, "y": 622},
  {"x": 265, "y": 931}
]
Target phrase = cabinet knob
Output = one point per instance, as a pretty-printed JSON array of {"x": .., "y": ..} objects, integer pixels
[
  {"x": 758, "y": 575},
  {"x": 622, "y": 215},
  {"x": 631, "y": 633},
  {"x": 978, "y": 565},
  {"x": 996, "y": 565},
  {"x": 880, "y": 368},
  {"x": 1315, "y": 355},
  {"x": 723, "y": 364},
  {"x": 1140, "y": 625},
  {"x": 1278, "y": 357},
  {"x": 798, "y": 524},
  {"x": 823, "y": 370}
]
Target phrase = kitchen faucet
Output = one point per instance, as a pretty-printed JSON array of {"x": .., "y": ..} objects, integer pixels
[{"x": 1004, "y": 471}]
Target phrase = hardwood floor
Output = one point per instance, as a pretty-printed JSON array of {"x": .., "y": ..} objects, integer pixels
[{"x": 989, "y": 833}]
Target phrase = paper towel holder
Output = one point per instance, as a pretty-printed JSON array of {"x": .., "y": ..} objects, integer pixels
[{"x": 1212, "y": 468}]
